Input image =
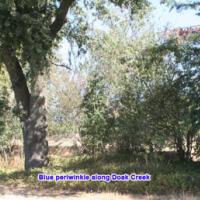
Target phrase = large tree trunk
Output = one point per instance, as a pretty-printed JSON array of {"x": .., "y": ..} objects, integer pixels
[
  {"x": 37, "y": 125},
  {"x": 32, "y": 111}
]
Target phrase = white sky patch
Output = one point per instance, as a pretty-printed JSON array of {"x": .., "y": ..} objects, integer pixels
[
  {"x": 164, "y": 17},
  {"x": 62, "y": 52}
]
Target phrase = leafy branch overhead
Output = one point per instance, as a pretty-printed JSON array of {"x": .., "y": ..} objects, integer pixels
[{"x": 31, "y": 27}]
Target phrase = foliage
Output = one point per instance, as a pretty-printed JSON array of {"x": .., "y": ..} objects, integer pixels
[
  {"x": 120, "y": 65},
  {"x": 95, "y": 129},
  {"x": 30, "y": 30},
  {"x": 151, "y": 89},
  {"x": 9, "y": 125},
  {"x": 174, "y": 106},
  {"x": 63, "y": 101},
  {"x": 26, "y": 27},
  {"x": 182, "y": 5}
]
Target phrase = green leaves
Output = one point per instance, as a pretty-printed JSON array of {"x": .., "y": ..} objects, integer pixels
[
  {"x": 95, "y": 124},
  {"x": 133, "y": 5},
  {"x": 152, "y": 89},
  {"x": 26, "y": 26}
]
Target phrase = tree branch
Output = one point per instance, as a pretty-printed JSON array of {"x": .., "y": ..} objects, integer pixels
[
  {"x": 187, "y": 5},
  {"x": 18, "y": 79},
  {"x": 60, "y": 65},
  {"x": 60, "y": 16}
]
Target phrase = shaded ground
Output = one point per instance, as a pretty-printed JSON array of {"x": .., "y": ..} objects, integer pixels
[
  {"x": 167, "y": 178},
  {"x": 24, "y": 192}
]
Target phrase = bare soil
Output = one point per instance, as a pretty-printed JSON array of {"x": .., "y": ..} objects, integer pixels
[{"x": 23, "y": 192}]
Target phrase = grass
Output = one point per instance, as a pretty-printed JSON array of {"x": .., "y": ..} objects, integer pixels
[{"x": 166, "y": 177}]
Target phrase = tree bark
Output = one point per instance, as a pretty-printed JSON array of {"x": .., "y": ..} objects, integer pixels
[
  {"x": 37, "y": 125},
  {"x": 32, "y": 111},
  {"x": 180, "y": 150}
]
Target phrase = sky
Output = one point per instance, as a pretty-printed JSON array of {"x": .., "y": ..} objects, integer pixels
[{"x": 162, "y": 17}]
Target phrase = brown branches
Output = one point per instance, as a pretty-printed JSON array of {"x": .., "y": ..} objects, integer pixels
[
  {"x": 61, "y": 16},
  {"x": 60, "y": 65}
]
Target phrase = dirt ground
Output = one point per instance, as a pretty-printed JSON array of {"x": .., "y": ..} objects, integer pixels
[{"x": 22, "y": 193}]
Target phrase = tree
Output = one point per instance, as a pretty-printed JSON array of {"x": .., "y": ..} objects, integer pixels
[
  {"x": 173, "y": 105},
  {"x": 113, "y": 106},
  {"x": 29, "y": 31},
  {"x": 95, "y": 128},
  {"x": 188, "y": 80},
  {"x": 152, "y": 87}
]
